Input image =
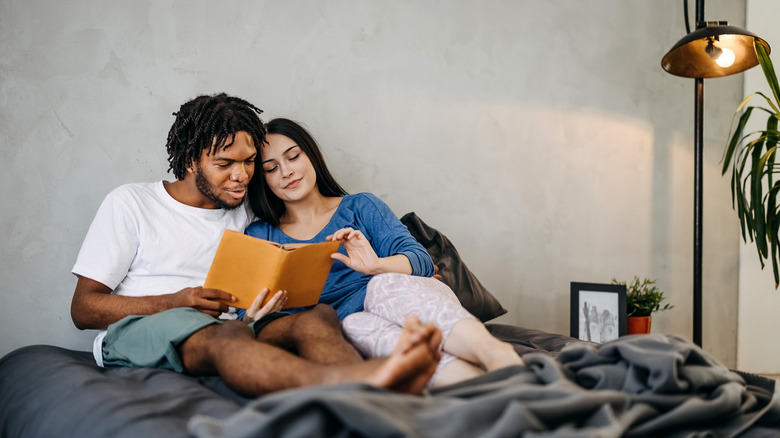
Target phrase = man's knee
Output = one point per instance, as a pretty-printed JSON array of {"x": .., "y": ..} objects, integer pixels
[
  {"x": 199, "y": 349},
  {"x": 292, "y": 330},
  {"x": 324, "y": 313},
  {"x": 230, "y": 331},
  {"x": 319, "y": 320}
]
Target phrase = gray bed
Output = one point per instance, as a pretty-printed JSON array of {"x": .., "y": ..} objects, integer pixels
[{"x": 650, "y": 385}]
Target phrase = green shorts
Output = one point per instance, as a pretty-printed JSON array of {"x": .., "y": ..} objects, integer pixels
[{"x": 153, "y": 340}]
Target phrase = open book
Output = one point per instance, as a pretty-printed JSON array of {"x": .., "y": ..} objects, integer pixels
[{"x": 243, "y": 265}]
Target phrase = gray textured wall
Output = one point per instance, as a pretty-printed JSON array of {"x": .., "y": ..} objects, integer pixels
[{"x": 541, "y": 136}]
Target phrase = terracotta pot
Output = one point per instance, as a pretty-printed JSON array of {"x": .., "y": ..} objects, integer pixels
[{"x": 638, "y": 325}]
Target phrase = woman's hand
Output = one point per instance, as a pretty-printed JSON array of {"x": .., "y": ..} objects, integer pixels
[
  {"x": 360, "y": 255},
  {"x": 275, "y": 304}
]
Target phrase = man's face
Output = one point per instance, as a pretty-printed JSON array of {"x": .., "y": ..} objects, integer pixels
[{"x": 222, "y": 177}]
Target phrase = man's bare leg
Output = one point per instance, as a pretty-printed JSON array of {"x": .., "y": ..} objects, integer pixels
[
  {"x": 315, "y": 335},
  {"x": 255, "y": 368}
]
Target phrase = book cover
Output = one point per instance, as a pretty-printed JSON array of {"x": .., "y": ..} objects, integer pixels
[{"x": 244, "y": 265}]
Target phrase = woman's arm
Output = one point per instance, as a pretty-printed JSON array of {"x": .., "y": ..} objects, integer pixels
[
  {"x": 362, "y": 257},
  {"x": 391, "y": 237},
  {"x": 383, "y": 244}
]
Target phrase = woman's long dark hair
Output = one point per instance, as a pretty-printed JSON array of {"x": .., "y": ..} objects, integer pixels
[{"x": 265, "y": 204}]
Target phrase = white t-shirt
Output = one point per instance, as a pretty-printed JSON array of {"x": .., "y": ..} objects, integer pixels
[{"x": 144, "y": 242}]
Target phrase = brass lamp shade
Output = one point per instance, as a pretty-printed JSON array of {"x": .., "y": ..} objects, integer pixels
[{"x": 692, "y": 56}]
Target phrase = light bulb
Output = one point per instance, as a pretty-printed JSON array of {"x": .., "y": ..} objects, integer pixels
[{"x": 726, "y": 59}]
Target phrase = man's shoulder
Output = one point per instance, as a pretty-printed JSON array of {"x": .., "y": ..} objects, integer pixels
[
  {"x": 131, "y": 189},
  {"x": 131, "y": 197},
  {"x": 134, "y": 193}
]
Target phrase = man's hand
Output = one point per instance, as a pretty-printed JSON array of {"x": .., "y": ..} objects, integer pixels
[
  {"x": 95, "y": 307},
  {"x": 275, "y": 304},
  {"x": 208, "y": 301}
]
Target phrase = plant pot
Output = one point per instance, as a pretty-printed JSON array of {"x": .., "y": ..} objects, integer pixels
[{"x": 638, "y": 325}]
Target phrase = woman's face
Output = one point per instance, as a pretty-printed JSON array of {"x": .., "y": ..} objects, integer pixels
[{"x": 288, "y": 171}]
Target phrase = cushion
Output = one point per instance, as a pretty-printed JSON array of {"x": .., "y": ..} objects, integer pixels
[{"x": 472, "y": 294}]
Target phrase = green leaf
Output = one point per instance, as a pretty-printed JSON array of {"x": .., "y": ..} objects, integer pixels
[
  {"x": 756, "y": 195},
  {"x": 736, "y": 139},
  {"x": 773, "y": 228},
  {"x": 769, "y": 71},
  {"x": 643, "y": 297},
  {"x": 776, "y": 258},
  {"x": 774, "y": 109}
]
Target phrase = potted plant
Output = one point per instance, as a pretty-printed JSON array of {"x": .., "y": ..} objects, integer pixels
[
  {"x": 642, "y": 299},
  {"x": 751, "y": 157}
]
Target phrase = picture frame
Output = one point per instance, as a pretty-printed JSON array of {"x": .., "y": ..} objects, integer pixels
[{"x": 598, "y": 311}]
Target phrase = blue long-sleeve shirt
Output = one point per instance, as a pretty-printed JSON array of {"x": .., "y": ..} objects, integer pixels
[{"x": 345, "y": 288}]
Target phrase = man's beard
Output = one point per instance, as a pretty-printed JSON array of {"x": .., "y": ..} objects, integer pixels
[{"x": 206, "y": 189}]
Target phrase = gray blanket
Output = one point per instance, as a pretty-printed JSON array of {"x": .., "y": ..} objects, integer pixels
[{"x": 651, "y": 385}]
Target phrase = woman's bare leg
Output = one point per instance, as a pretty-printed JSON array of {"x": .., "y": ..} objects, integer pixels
[
  {"x": 455, "y": 371},
  {"x": 471, "y": 341}
]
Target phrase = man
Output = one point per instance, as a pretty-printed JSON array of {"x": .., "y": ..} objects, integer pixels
[{"x": 150, "y": 247}]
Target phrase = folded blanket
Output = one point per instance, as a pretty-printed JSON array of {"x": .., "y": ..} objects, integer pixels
[{"x": 650, "y": 385}]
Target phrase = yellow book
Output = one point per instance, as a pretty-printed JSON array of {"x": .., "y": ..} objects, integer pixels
[{"x": 244, "y": 265}]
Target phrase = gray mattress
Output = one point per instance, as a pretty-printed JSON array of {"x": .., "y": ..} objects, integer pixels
[{"x": 636, "y": 386}]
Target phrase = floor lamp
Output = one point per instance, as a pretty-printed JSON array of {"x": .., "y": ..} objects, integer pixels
[{"x": 713, "y": 50}]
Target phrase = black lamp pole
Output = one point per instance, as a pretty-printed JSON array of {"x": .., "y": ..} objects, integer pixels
[
  {"x": 698, "y": 190},
  {"x": 698, "y": 185}
]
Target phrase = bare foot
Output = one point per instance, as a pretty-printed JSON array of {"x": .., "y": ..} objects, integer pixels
[
  {"x": 414, "y": 360},
  {"x": 420, "y": 333},
  {"x": 415, "y": 332}
]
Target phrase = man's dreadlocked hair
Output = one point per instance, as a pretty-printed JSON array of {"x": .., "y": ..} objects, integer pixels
[{"x": 208, "y": 123}]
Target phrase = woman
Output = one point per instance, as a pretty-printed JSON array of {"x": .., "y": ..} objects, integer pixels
[{"x": 380, "y": 274}]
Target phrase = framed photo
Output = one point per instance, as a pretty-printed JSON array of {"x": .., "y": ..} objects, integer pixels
[{"x": 598, "y": 311}]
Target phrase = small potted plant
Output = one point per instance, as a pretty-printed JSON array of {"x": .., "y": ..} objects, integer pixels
[{"x": 642, "y": 299}]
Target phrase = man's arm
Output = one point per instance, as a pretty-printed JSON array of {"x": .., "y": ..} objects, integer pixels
[{"x": 95, "y": 307}]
